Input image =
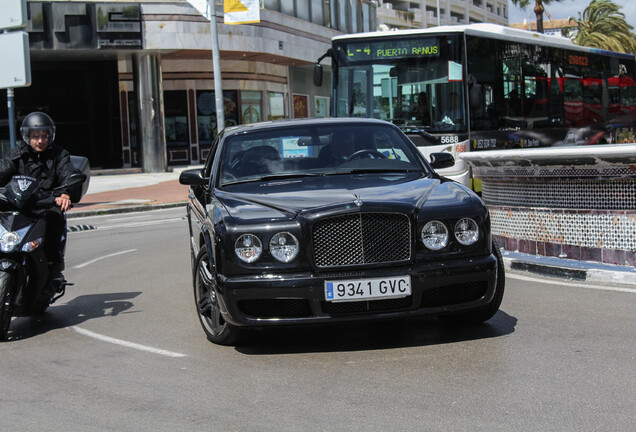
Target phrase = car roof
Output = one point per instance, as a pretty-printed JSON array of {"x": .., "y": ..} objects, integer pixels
[{"x": 321, "y": 122}]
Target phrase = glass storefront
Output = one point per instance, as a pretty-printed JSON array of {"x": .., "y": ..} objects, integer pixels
[{"x": 251, "y": 111}]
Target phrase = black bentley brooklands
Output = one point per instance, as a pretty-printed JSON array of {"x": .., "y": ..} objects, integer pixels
[{"x": 324, "y": 220}]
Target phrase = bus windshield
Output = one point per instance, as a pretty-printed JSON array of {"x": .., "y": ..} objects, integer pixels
[{"x": 416, "y": 82}]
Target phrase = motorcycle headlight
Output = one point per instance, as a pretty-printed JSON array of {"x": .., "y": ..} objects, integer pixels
[
  {"x": 248, "y": 248},
  {"x": 284, "y": 247},
  {"x": 466, "y": 231},
  {"x": 435, "y": 235},
  {"x": 9, "y": 241}
]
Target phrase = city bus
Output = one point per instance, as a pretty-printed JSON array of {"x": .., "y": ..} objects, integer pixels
[{"x": 486, "y": 86}]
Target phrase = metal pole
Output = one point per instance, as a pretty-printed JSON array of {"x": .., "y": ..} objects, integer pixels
[
  {"x": 11, "y": 107},
  {"x": 151, "y": 126},
  {"x": 216, "y": 66},
  {"x": 439, "y": 19}
]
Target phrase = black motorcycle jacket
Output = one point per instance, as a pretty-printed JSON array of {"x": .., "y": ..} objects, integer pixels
[{"x": 52, "y": 168}]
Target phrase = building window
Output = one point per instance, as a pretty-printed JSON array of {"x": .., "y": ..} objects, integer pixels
[
  {"x": 301, "y": 108},
  {"x": 276, "y": 105},
  {"x": 321, "y": 106},
  {"x": 318, "y": 12},
  {"x": 287, "y": 7},
  {"x": 251, "y": 111},
  {"x": 206, "y": 117},
  {"x": 176, "y": 115},
  {"x": 206, "y": 113}
]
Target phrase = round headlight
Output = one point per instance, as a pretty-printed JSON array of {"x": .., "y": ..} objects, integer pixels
[
  {"x": 9, "y": 241},
  {"x": 435, "y": 235},
  {"x": 466, "y": 231},
  {"x": 284, "y": 247},
  {"x": 248, "y": 248}
]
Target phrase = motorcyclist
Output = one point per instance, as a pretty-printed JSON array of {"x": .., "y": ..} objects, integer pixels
[{"x": 38, "y": 157}]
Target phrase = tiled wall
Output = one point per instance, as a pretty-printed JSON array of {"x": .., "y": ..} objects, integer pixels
[
  {"x": 573, "y": 202},
  {"x": 606, "y": 236}
]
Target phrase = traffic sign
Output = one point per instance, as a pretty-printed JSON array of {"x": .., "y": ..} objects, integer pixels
[
  {"x": 14, "y": 15},
  {"x": 16, "y": 61}
]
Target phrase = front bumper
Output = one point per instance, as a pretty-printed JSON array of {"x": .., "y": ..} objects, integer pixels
[{"x": 276, "y": 299}]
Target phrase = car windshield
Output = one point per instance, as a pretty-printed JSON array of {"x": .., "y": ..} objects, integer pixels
[{"x": 315, "y": 150}]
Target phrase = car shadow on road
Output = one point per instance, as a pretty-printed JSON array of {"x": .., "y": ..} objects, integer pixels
[
  {"x": 361, "y": 336},
  {"x": 77, "y": 311}
]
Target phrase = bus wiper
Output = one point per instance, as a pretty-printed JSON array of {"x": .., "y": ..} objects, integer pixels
[{"x": 421, "y": 131}]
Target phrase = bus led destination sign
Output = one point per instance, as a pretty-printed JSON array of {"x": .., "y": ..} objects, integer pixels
[{"x": 392, "y": 49}]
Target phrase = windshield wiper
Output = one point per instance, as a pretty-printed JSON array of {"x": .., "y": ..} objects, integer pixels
[
  {"x": 372, "y": 171},
  {"x": 272, "y": 177}
]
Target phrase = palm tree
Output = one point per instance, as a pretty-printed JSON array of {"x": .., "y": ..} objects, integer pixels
[
  {"x": 602, "y": 25},
  {"x": 538, "y": 9}
]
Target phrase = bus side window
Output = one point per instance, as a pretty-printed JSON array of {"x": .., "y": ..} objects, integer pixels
[
  {"x": 482, "y": 82},
  {"x": 512, "y": 91},
  {"x": 536, "y": 95},
  {"x": 555, "y": 108}
]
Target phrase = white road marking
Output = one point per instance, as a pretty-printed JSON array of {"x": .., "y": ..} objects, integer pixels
[
  {"x": 129, "y": 215},
  {"x": 121, "y": 218},
  {"x": 132, "y": 224},
  {"x": 126, "y": 343},
  {"x": 103, "y": 257},
  {"x": 571, "y": 284},
  {"x": 138, "y": 224}
]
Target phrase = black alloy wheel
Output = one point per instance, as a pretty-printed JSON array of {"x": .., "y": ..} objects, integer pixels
[{"x": 208, "y": 309}]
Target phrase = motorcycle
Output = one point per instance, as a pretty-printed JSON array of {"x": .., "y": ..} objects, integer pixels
[{"x": 27, "y": 286}]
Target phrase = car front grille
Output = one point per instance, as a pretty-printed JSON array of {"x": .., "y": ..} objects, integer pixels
[
  {"x": 346, "y": 308},
  {"x": 275, "y": 308},
  {"x": 454, "y": 294},
  {"x": 362, "y": 238}
]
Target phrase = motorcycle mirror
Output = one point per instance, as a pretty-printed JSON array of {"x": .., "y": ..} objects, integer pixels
[{"x": 74, "y": 180}]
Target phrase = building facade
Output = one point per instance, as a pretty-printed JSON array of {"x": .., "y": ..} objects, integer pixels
[
  {"x": 550, "y": 27},
  {"x": 405, "y": 14},
  {"x": 130, "y": 83}
]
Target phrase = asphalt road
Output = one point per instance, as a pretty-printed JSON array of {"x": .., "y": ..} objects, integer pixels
[{"x": 123, "y": 351}]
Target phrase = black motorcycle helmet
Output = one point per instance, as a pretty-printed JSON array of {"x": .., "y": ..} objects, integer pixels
[{"x": 37, "y": 121}]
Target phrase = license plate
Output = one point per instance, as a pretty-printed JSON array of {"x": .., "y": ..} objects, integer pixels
[{"x": 367, "y": 289}]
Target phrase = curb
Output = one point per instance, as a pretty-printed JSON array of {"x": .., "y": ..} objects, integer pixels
[
  {"x": 578, "y": 271},
  {"x": 125, "y": 209}
]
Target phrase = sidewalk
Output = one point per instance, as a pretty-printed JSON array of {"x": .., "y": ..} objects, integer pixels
[{"x": 120, "y": 191}]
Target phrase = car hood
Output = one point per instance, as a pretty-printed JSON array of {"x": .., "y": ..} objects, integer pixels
[{"x": 313, "y": 197}]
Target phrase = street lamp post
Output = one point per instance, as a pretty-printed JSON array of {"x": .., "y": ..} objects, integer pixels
[{"x": 216, "y": 66}]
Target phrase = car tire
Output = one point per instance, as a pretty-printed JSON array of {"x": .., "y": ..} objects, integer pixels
[
  {"x": 7, "y": 283},
  {"x": 216, "y": 328},
  {"x": 484, "y": 313}
]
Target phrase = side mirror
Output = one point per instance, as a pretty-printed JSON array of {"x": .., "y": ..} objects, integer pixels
[
  {"x": 73, "y": 184},
  {"x": 442, "y": 160},
  {"x": 82, "y": 165},
  {"x": 76, "y": 178},
  {"x": 317, "y": 74},
  {"x": 193, "y": 177}
]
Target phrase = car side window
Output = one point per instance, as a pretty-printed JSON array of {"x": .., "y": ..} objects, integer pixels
[{"x": 209, "y": 161}]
